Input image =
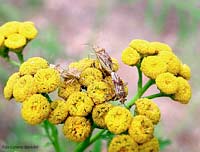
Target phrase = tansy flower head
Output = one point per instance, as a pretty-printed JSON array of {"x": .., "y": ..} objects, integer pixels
[
  {"x": 184, "y": 91},
  {"x": 150, "y": 146},
  {"x": 152, "y": 66},
  {"x": 158, "y": 47},
  {"x": 47, "y": 80},
  {"x": 167, "y": 83},
  {"x": 35, "y": 109},
  {"x": 148, "y": 108},
  {"x": 8, "y": 89},
  {"x": 65, "y": 89},
  {"x": 123, "y": 143},
  {"x": 89, "y": 75},
  {"x": 185, "y": 71},
  {"x": 141, "y": 129},
  {"x": 141, "y": 46},
  {"x": 24, "y": 88},
  {"x": 15, "y": 42},
  {"x": 172, "y": 61},
  {"x": 79, "y": 104},
  {"x": 83, "y": 64},
  {"x": 28, "y": 30},
  {"x": 32, "y": 65},
  {"x": 9, "y": 28},
  {"x": 99, "y": 92},
  {"x": 118, "y": 119},
  {"x": 130, "y": 56},
  {"x": 77, "y": 128},
  {"x": 59, "y": 112},
  {"x": 99, "y": 112}
]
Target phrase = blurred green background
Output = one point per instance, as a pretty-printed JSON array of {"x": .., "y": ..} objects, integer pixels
[{"x": 65, "y": 26}]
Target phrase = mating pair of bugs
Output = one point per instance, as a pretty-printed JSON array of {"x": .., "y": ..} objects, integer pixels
[{"x": 105, "y": 63}]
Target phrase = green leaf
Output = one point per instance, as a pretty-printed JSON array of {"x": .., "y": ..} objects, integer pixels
[{"x": 97, "y": 146}]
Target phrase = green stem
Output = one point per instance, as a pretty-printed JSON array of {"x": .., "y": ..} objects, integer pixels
[
  {"x": 47, "y": 96},
  {"x": 83, "y": 145},
  {"x": 12, "y": 62},
  {"x": 139, "y": 77},
  {"x": 20, "y": 57},
  {"x": 157, "y": 95}
]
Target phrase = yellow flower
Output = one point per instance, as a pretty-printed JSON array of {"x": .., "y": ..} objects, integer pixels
[
  {"x": 1, "y": 41},
  {"x": 32, "y": 65},
  {"x": 141, "y": 129},
  {"x": 35, "y": 110},
  {"x": 83, "y": 64},
  {"x": 28, "y": 30},
  {"x": 148, "y": 108},
  {"x": 59, "y": 112},
  {"x": 66, "y": 89},
  {"x": 130, "y": 56},
  {"x": 24, "y": 88},
  {"x": 9, "y": 28},
  {"x": 115, "y": 64},
  {"x": 158, "y": 47},
  {"x": 15, "y": 41},
  {"x": 150, "y": 146},
  {"x": 123, "y": 143},
  {"x": 184, "y": 91},
  {"x": 89, "y": 75},
  {"x": 185, "y": 71},
  {"x": 172, "y": 61},
  {"x": 8, "y": 89},
  {"x": 99, "y": 92},
  {"x": 99, "y": 112},
  {"x": 77, "y": 128},
  {"x": 142, "y": 46},
  {"x": 79, "y": 104},
  {"x": 118, "y": 119},
  {"x": 47, "y": 80},
  {"x": 167, "y": 83},
  {"x": 152, "y": 66}
]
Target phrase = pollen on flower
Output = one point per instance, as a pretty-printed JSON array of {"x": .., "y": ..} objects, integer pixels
[
  {"x": 9, "y": 28},
  {"x": 59, "y": 112},
  {"x": 47, "y": 80},
  {"x": 28, "y": 30},
  {"x": 130, "y": 56},
  {"x": 118, "y": 119},
  {"x": 148, "y": 108},
  {"x": 99, "y": 112},
  {"x": 150, "y": 146},
  {"x": 32, "y": 65},
  {"x": 141, "y": 129},
  {"x": 167, "y": 83},
  {"x": 185, "y": 71},
  {"x": 77, "y": 128},
  {"x": 123, "y": 143},
  {"x": 24, "y": 88},
  {"x": 158, "y": 47},
  {"x": 79, "y": 104},
  {"x": 152, "y": 66},
  {"x": 35, "y": 110}
]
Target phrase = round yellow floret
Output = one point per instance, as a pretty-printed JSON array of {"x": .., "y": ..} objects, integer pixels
[
  {"x": 141, "y": 129},
  {"x": 47, "y": 80},
  {"x": 32, "y": 65},
  {"x": 65, "y": 89},
  {"x": 79, "y": 104},
  {"x": 28, "y": 30},
  {"x": 99, "y": 92},
  {"x": 184, "y": 91},
  {"x": 158, "y": 47},
  {"x": 130, "y": 56},
  {"x": 118, "y": 120},
  {"x": 115, "y": 64},
  {"x": 172, "y": 61},
  {"x": 152, "y": 66},
  {"x": 59, "y": 112},
  {"x": 167, "y": 83},
  {"x": 77, "y": 128},
  {"x": 8, "y": 89},
  {"x": 83, "y": 64},
  {"x": 1, "y": 40},
  {"x": 35, "y": 110},
  {"x": 185, "y": 71},
  {"x": 9, "y": 28},
  {"x": 15, "y": 41},
  {"x": 90, "y": 75},
  {"x": 148, "y": 108},
  {"x": 99, "y": 112},
  {"x": 24, "y": 88},
  {"x": 150, "y": 146},
  {"x": 123, "y": 143}
]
